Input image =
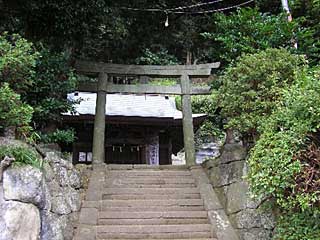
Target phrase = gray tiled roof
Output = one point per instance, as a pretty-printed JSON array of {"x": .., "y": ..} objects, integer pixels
[{"x": 130, "y": 105}]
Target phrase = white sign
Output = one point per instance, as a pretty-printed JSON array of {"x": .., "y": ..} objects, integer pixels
[
  {"x": 82, "y": 156},
  {"x": 154, "y": 151},
  {"x": 89, "y": 157}
]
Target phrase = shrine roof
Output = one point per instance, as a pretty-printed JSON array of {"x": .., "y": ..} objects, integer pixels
[{"x": 129, "y": 105}]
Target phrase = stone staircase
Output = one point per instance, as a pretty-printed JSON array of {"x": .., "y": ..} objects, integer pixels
[{"x": 136, "y": 202}]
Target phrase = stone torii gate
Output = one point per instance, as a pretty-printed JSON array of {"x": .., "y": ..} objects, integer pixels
[{"x": 103, "y": 86}]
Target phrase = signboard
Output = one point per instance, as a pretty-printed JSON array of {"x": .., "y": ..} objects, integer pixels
[
  {"x": 82, "y": 157},
  {"x": 154, "y": 151}
]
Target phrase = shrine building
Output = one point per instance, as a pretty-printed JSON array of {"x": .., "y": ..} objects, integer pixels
[{"x": 140, "y": 128}]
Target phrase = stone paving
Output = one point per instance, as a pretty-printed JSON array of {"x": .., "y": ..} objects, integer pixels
[{"x": 145, "y": 202}]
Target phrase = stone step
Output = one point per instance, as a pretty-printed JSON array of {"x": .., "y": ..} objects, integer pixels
[
  {"x": 98, "y": 205},
  {"x": 152, "y": 218},
  {"x": 146, "y": 185},
  {"x": 150, "y": 196},
  {"x": 168, "y": 221},
  {"x": 145, "y": 203},
  {"x": 163, "y": 239},
  {"x": 149, "y": 173},
  {"x": 151, "y": 215},
  {"x": 149, "y": 180},
  {"x": 144, "y": 167},
  {"x": 153, "y": 208},
  {"x": 188, "y": 235},
  {"x": 154, "y": 232},
  {"x": 173, "y": 235},
  {"x": 161, "y": 191}
]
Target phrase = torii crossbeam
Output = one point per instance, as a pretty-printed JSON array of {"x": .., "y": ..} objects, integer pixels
[{"x": 102, "y": 87}]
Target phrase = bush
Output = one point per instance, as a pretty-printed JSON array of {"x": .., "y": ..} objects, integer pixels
[
  {"x": 284, "y": 165},
  {"x": 17, "y": 62},
  {"x": 298, "y": 226},
  {"x": 252, "y": 88},
  {"x": 249, "y": 31},
  {"x": 162, "y": 57},
  {"x": 59, "y": 136},
  {"x": 22, "y": 155},
  {"x": 13, "y": 112},
  {"x": 48, "y": 96}
]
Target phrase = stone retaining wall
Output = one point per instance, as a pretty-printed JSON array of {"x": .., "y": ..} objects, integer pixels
[
  {"x": 226, "y": 174},
  {"x": 40, "y": 203}
]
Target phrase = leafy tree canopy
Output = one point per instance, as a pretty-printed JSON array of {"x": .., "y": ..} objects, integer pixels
[{"x": 252, "y": 87}]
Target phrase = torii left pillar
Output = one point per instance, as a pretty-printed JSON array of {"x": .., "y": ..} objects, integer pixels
[
  {"x": 187, "y": 121},
  {"x": 98, "y": 147}
]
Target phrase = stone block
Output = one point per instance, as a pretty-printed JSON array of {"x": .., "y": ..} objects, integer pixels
[
  {"x": 60, "y": 204},
  {"x": 20, "y": 221},
  {"x": 221, "y": 225},
  {"x": 255, "y": 234},
  {"x": 23, "y": 184},
  {"x": 237, "y": 197},
  {"x": 232, "y": 152},
  {"x": 226, "y": 174},
  {"x": 54, "y": 226},
  {"x": 222, "y": 195}
]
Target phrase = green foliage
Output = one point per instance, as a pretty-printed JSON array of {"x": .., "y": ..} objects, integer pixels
[
  {"x": 298, "y": 226},
  {"x": 253, "y": 86},
  {"x": 212, "y": 127},
  {"x": 162, "y": 57},
  {"x": 248, "y": 31},
  {"x": 22, "y": 155},
  {"x": 307, "y": 14},
  {"x": 163, "y": 82},
  {"x": 48, "y": 96},
  {"x": 17, "y": 62},
  {"x": 281, "y": 160},
  {"x": 59, "y": 136},
  {"x": 13, "y": 112}
]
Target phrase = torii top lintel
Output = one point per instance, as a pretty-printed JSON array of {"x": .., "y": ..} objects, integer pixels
[{"x": 200, "y": 70}]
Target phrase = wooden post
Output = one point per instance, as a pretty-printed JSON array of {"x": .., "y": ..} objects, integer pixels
[
  {"x": 187, "y": 121},
  {"x": 98, "y": 147}
]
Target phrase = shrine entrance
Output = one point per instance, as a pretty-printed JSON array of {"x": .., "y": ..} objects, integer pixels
[{"x": 107, "y": 83}]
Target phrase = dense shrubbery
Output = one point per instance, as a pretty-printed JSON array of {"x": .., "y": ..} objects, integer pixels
[
  {"x": 42, "y": 80},
  {"x": 17, "y": 62},
  {"x": 274, "y": 97},
  {"x": 22, "y": 155},
  {"x": 59, "y": 136},
  {"x": 252, "y": 87},
  {"x": 48, "y": 96},
  {"x": 295, "y": 225},
  {"x": 162, "y": 57},
  {"x": 13, "y": 112},
  {"x": 285, "y": 162},
  {"x": 248, "y": 31}
]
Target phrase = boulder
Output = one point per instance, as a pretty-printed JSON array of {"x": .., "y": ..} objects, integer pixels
[
  {"x": 256, "y": 233},
  {"x": 59, "y": 204},
  {"x": 74, "y": 179},
  {"x": 19, "y": 221},
  {"x": 64, "y": 200},
  {"x": 23, "y": 184},
  {"x": 72, "y": 197},
  {"x": 226, "y": 174},
  {"x": 232, "y": 152},
  {"x": 237, "y": 197},
  {"x": 55, "y": 227}
]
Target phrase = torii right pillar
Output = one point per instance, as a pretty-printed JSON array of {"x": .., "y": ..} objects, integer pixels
[{"x": 187, "y": 121}]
